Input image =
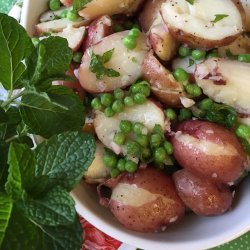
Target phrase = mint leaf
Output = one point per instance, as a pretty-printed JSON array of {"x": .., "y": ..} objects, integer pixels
[
  {"x": 22, "y": 234},
  {"x": 21, "y": 170},
  {"x": 97, "y": 65},
  {"x": 54, "y": 112},
  {"x": 55, "y": 208},
  {"x": 48, "y": 62},
  {"x": 5, "y": 211},
  {"x": 15, "y": 46},
  {"x": 80, "y": 4},
  {"x": 3, "y": 164},
  {"x": 219, "y": 17},
  {"x": 65, "y": 157}
]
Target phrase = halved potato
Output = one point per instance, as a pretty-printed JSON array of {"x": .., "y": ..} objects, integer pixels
[
  {"x": 246, "y": 7},
  {"x": 226, "y": 81},
  {"x": 105, "y": 127},
  {"x": 58, "y": 25},
  {"x": 240, "y": 46},
  {"x": 127, "y": 62},
  {"x": 162, "y": 82},
  {"x": 73, "y": 35},
  {"x": 97, "y": 171},
  {"x": 98, "y": 8},
  {"x": 194, "y": 24}
]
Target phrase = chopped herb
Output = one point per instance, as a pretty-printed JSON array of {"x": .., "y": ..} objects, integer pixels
[
  {"x": 97, "y": 65},
  {"x": 191, "y": 63},
  {"x": 80, "y": 4},
  {"x": 230, "y": 55},
  {"x": 219, "y": 17},
  {"x": 190, "y": 1}
]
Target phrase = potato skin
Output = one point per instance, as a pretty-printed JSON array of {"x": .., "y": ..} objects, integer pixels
[
  {"x": 163, "y": 85},
  {"x": 202, "y": 196},
  {"x": 149, "y": 13},
  {"x": 213, "y": 152},
  {"x": 154, "y": 215}
]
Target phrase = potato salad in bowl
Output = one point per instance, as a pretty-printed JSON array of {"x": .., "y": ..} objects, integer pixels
[{"x": 166, "y": 87}]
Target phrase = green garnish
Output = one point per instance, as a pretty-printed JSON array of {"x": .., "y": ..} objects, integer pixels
[
  {"x": 80, "y": 4},
  {"x": 219, "y": 17},
  {"x": 190, "y": 62},
  {"x": 190, "y": 1},
  {"x": 97, "y": 65}
]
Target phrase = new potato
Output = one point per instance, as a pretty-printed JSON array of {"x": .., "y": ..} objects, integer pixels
[{"x": 209, "y": 150}]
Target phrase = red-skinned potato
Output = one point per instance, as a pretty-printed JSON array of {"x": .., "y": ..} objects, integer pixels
[
  {"x": 201, "y": 195},
  {"x": 97, "y": 30},
  {"x": 74, "y": 84},
  {"x": 209, "y": 150},
  {"x": 246, "y": 6},
  {"x": 240, "y": 46},
  {"x": 149, "y": 114},
  {"x": 195, "y": 24},
  {"x": 145, "y": 201},
  {"x": 67, "y": 2},
  {"x": 162, "y": 83},
  {"x": 162, "y": 42},
  {"x": 97, "y": 8},
  {"x": 127, "y": 62},
  {"x": 231, "y": 88}
]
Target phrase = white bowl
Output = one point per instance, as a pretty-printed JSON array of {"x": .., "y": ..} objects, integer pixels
[{"x": 193, "y": 233}]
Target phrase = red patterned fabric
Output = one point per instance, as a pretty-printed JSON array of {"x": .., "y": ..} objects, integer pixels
[{"x": 94, "y": 239}]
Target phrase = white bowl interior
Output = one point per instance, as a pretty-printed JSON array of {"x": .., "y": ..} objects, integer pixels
[{"x": 192, "y": 233}]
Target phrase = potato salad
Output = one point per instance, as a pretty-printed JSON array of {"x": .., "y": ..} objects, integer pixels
[{"x": 166, "y": 86}]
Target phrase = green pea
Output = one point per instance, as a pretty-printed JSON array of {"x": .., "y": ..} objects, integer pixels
[
  {"x": 212, "y": 54},
  {"x": 107, "y": 99},
  {"x": 35, "y": 41},
  {"x": 77, "y": 57},
  {"x": 64, "y": 14},
  {"x": 185, "y": 114},
  {"x": 168, "y": 147},
  {"x": 184, "y": 51},
  {"x": 160, "y": 154},
  {"x": 119, "y": 94},
  {"x": 109, "y": 112},
  {"x": 126, "y": 126},
  {"x": 129, "y": 101},
  {"x": 155, "y": 140},
  {"x": 193, "y": 89},
  {"x": 118, "y": 106},
  {"x": 133, "y": 148},
  {"x": 130, "y": 166},
  {"x": 134, "y": 32},
  {"x": 109, "y": 159},
  {"x": 121, "y": 165},
  {"x": 198, "y": 54},
  {"x": 243, "y": 131},
  {"x": 146, "y": 155},
  {"x": 180, "y": 75},
  {"x": 72, "y": 16},
  {"x": 140, "y": 98},
  {"x": 114, "y": 172},
  {"x": 96, "y": 103},
  {"x": 244, "y": 58},
  {"x": 129, "y": 42},
  {"x": 143, "y": 140},
  {"x": 119, "y": 138},
  {"x": 54, "y": 5},
  {"x": 170, "y": 114},
  {"x": 206, "y": 104},
  {"x": 138, "y": 128}
]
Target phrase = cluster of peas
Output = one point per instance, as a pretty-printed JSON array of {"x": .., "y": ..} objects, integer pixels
[
  {"x": 130, "y": 41},
  {"x": 139, "y": 144},
  {"x": 56, "y": 5},
  {"x": 112, "y": 103}
]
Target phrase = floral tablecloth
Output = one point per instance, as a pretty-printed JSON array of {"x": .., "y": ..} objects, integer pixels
[{"x": 94, "y": 239}]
